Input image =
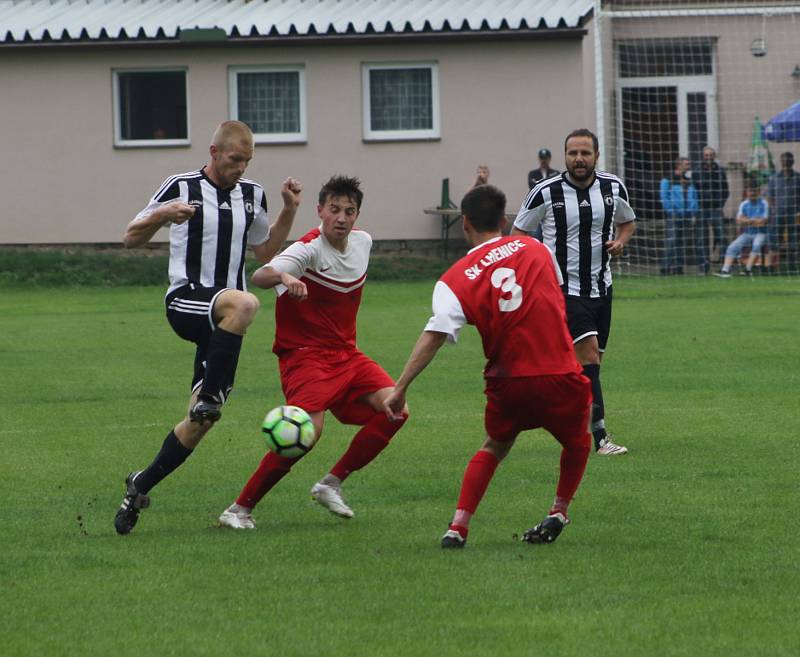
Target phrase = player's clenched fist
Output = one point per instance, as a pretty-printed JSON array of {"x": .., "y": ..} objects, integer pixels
[
  {"x": 394, "y": 405},
  {"x": 176, "y": 212},
  {"x": 290, "y": 192},
  {"x": 295, "y": 288}
]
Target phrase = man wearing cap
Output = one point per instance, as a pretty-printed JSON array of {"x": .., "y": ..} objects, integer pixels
[{"x": 544, "y": 170}]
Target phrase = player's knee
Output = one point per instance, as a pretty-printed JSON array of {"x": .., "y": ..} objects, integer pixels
[
  {"x": 388, "y": 428},
  {"x": 241, "y": 310},
  {"x": 235, "y": 309},
  {"x": 497, "y": 448},
  {"x": 247, "y": 306},
  {"x": 580, "y": 444}
]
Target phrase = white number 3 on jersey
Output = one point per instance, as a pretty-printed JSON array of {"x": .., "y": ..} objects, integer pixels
[{"x": 506, "y": 279}]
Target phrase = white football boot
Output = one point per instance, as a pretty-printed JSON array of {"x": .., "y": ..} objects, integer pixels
[
  {"x": 237, "y": 517},
  {"x": 331, "y": 498},
  {"x": 609, "y": 448}
]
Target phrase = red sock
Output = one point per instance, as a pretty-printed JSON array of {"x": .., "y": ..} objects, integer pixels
[
  {"x": 367, "y": 444},
  {"x": 573, "y": 464},
  {"x": 477, "y": 476},
  {"x": 270, "y": 471}
]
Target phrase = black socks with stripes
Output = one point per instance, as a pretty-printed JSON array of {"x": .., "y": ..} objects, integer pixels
[
  {"x": 592, "y": 372},
  {"x": 222, "y": 357},
  {"x": 172, "y": 454}
]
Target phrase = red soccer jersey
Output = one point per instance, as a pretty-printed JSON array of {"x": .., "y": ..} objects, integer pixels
[
  {"x": 327, "y": 318},
  {"x": 508, "y": 288}
]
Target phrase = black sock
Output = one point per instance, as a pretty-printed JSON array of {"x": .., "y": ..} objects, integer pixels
[
  {"x": 222, "y": 356},
  {"x": 592, "y": 372},
  {"x": 172, "y": 454}
]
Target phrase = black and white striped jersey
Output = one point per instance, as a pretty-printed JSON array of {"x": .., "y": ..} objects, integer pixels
[
  {"x": 209, "y": 249},
  {"x": 576, "y": 223}
]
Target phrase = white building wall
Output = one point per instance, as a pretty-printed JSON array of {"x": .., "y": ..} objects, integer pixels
[{"x": 64, "y": 181}]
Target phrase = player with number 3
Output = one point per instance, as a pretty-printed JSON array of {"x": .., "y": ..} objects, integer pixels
[{"x": 509, "y": 288}]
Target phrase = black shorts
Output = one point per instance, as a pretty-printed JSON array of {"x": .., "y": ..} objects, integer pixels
[
  {"x": 190, "y": 313},
  {"x": 589, "y": 316}
]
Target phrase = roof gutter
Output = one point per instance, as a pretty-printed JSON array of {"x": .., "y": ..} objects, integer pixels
[{"x": 215, "y": 40}]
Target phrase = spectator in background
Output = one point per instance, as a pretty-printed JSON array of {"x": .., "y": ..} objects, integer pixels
[
  {"x": 537, "y": 175},
  {"x": 712, "y": 188},
  {"x": 544, "y": 171},
  {"x": 679, "y": 200},
  {"x": 783, "y": 195},
  {"x": 481, "y": 177},
  {"x": 752, "y": 216}
]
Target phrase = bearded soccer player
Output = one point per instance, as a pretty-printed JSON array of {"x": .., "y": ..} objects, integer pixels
[
  {"x": 508, "y": 287},
  {"x": 586, "y": 220},
  {"x": 319, "y": 280}
]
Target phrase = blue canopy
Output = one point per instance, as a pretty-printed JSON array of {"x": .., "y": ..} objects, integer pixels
[{"x": 784, "y": 126}]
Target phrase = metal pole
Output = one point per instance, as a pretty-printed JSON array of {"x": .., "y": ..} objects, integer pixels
[{"x": 599, "y": 88}]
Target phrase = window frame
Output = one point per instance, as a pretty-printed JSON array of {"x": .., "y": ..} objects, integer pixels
[
  {"x": 119, "y": 142},
  {"x": 300, "y": 137},
  {"x": 431, "y": 134}
]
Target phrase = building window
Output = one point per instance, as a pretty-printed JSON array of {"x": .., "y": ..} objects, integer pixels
[
  {"x": 650, "y": 58},
  {"x": 271, "y": 100},
  {"x": 401, "y": 101},
  {"x": 151, "y": 108}
]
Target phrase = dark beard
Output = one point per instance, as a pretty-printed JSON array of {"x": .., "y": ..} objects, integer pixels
[{"x": 581, "y": 179}]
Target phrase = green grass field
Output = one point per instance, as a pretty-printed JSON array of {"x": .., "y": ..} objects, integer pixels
[{"x": 686, "y": 547}]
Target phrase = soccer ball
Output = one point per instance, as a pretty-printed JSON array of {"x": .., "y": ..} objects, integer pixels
[{"x": 289, "y": 431}]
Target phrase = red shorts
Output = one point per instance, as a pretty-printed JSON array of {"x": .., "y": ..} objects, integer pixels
[
  {"x": 560, "y": 403},
  {"x": 327, "y": 379}
]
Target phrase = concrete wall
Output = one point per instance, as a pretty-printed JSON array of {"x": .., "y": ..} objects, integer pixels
[{"x": 63, "y": 181}]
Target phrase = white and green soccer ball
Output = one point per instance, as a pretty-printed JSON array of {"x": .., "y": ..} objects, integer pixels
[{"x": 289, "y": 431}]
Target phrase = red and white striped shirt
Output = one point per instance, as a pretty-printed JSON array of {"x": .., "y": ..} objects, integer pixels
[{"x": 327, "y": 318}]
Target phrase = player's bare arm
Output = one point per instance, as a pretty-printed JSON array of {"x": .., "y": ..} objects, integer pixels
[
  {"x": 268, "y": 277},
  {"x": 423, "y": 353},
  {"x": 279, "y": 231},
  {"x": 623, "y": 234},
  {"x": 140, "y": 231}
]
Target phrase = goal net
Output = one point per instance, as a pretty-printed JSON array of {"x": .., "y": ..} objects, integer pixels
[{"x": 698, "y": 104}]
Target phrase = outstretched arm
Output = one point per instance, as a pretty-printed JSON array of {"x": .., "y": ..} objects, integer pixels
[{"x": 421, "y": 356}]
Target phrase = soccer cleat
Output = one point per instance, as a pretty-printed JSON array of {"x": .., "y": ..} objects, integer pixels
[
  {"x": 132, "y": 503},
  {"x": 205, "y": 410},
  {"x": 746, "y": 272},
  {"x": 608, "y": 447},
  {"x": 548, "y": 530},
  {"x": 237, "y": 517},
  {"x": 453, "y": 540},
  {"x": 331, "y": 498},
  {"x": 722, "y": 274}
]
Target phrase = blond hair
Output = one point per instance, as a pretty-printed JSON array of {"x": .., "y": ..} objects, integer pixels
[{"x": 232, "y": 132}]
